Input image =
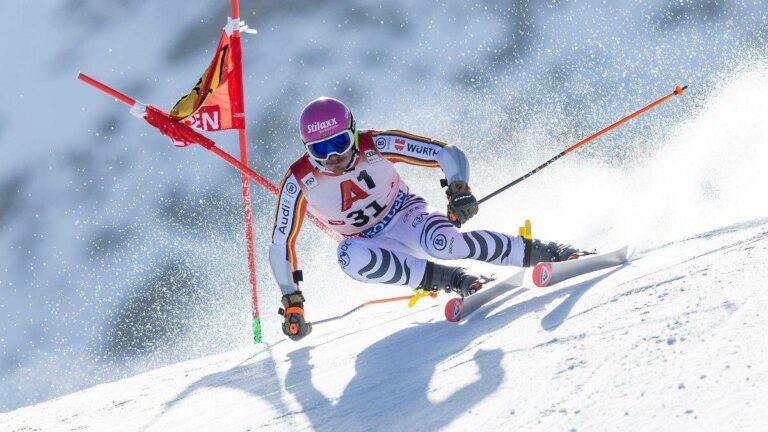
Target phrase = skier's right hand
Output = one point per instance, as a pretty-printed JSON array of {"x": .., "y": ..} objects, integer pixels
[
  {"x": 462, "y": 205},
  {"x": 294, "y": 325}
]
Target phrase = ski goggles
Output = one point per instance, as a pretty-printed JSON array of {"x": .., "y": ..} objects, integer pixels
[{"x": 336, "y": 144}]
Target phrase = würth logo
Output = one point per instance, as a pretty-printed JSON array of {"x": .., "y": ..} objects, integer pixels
[{"x": 318, "y": 126}]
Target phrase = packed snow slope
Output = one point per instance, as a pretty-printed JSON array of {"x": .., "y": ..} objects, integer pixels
[{"x": 674, "y": 340}]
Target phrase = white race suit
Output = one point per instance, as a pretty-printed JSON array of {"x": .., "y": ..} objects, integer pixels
[{"x": 389, "y": 232}]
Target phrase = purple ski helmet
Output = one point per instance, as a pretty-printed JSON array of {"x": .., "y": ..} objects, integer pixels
[{"x": 324, "y": 117}]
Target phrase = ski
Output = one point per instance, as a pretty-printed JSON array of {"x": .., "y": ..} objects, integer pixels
[
  {"x": 550, "y": 273},
  {"x": 460, "y": 307}
]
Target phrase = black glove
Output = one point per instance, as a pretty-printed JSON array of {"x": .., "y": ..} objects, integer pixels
[
  {"x": 462, "y": 205},
  {"x": 294, "y": 325}
]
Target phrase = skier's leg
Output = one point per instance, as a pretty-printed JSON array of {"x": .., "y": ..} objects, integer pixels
[
  {"x": 406, "y": 231},
  {"x": 380, "y": 260},
  {"x": 440, "y": 239},
  {"x": 390, "y": 257},
  {"x": 383, "y": 260},
  {"x": 436, "y": 236}
]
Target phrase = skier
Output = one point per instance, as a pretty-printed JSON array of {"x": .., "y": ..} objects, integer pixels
[{"x": 348, "y": 178}]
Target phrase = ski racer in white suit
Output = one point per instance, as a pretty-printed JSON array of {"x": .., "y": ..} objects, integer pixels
[{"x": 348, "y": 178}]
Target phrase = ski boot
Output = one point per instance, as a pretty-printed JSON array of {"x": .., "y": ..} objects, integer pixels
[
  {"x": 451, "y": 279},
  {"x": 536, "y": 252}
]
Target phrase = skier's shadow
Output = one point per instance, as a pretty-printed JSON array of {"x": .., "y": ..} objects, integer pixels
[
  {"x": 390, "y": 388},
  {"x": 393, "y": 380},
  {"x": 558, "y": 315}
]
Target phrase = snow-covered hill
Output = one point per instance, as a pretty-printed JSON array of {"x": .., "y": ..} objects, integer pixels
[{"x": 674, "y": 340}]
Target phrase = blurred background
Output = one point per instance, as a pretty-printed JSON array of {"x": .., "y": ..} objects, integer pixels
[{"x": 120, "y": 253}]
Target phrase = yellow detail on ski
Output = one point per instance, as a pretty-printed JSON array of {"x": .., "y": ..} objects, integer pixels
[
  {"x": 525, "y": 230},
  {"x": 420, "y": 293}
]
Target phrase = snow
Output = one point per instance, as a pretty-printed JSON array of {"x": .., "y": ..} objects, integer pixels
[
  {"x": 671, "y": 341},
  {"x": 106, "y": 230}
]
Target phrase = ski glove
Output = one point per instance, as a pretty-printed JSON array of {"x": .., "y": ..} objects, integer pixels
[
  {"x": 462, "y": 205},
  {"x": 294, "y": 325}
]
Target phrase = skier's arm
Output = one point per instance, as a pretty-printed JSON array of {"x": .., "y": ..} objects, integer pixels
[
  {"x": 399, "y": 146},
  {"x": 289, "y": 215}
]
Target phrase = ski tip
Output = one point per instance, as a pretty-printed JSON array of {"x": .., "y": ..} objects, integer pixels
[
  {"x": 631, "y": 250},
  {"x": 453, "y": 309},
  {"x": 542, "y": 274}
]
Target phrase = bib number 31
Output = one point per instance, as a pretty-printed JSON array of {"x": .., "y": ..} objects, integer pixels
[
  {"x": 359, "y": 217},
  {"x": 351, "y": 193}
]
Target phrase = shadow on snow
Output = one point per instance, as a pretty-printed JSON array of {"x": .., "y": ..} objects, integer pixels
[{"x": 391, "y": 386}]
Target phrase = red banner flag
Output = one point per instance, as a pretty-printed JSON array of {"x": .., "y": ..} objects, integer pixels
[
  {"x": 216, "y": 102},
  {"x": 179, "y": 133}
]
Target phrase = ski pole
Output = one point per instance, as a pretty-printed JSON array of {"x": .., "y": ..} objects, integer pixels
[
  {"x": 156, "y": 115},
  {"x": 678, "y": 91},
  {"x": 357, "y": 308}
]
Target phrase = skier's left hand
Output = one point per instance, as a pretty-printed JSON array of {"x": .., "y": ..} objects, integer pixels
[{"x": 462, "y": 205}]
